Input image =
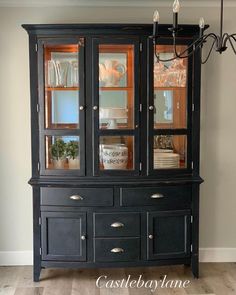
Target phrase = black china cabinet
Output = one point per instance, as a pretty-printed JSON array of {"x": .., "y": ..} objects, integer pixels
[{"x": 115, "y": 147}]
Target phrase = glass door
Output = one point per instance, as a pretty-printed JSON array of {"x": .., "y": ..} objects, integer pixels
[
  {"x": 169, "y": 111},
  {"x": 116, "y": 106},
  {"x": 61, "y": 108}
]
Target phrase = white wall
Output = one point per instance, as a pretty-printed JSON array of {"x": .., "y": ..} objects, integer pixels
[{"x": 218, "y": 161}]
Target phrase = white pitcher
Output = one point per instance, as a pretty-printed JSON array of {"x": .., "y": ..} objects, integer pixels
[{"x": 111, "y": 72}]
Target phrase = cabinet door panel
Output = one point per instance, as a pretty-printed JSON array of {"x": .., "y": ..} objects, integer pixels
[
  {"x": 116, "y": 106},
  {"x": 62, "y": 236},
  {"x": 169, "y": 110},
  {"x": 61, "y": 106},
  {"x": 168, "y": 234}
]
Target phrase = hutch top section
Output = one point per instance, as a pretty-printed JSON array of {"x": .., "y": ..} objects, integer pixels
[
  {"x": 107, "y": 29},
  {"x": 103, "y": 105}
]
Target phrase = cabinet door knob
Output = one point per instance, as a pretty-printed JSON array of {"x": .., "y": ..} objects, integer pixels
[
  {"x": 76, "y": 198},
  {"x": 117, "y": 224},
  {"x": 83, "y": 237},
  {"x": 151, "y": 108},
  {"x": 150, "y": 237},
  {"x": 81, "y": 108},
  {"x": 117, "y": 250},
  {"x": 95, "y": 108},
  {"x": 157, "y": 196}
]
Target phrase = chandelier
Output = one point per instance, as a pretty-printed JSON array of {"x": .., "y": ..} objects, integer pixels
[{"x": 219, "y": 42}]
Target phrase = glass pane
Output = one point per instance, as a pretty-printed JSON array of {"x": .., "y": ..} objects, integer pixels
[
  {"x": 116, "y": 86},
  {"x": 61, "y": 86},
  {"x": 170, "y": 151},
  {"x": 170, "y": 92},
  {"x": 116, "y": 152},
  {"x": 170, "y": 73},
  {"x": 170, "y": 109},
  {"x": 62, "y": 152}
]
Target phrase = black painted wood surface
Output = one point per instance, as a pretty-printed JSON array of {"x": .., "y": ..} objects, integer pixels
[{"x": 77, "y": 233}]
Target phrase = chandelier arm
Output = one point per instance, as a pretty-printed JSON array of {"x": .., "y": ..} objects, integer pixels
[
  {"x": 199, "y": 43},
  {"x": 209, "y": 53},
  {"x": 194, "y": 45},
  {"x": 233, "y": 37},
  {"x": 231, "y": 43},
  {"x": 225, "y": 38}
]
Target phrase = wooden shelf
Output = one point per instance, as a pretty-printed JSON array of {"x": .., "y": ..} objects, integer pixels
[
  {"x": 115, "y": 88},
  {"x": 170, "y": 88},
  {"x": 61, "y": 88}
]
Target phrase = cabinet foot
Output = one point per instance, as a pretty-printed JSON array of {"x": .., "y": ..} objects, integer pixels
[
  {"x": 36, "y": 275},
  {"x": 195, "y": 269}
]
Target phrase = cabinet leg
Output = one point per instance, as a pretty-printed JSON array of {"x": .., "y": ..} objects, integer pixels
[
  {"x": 36, "y": 273},
  {"x": 195, "y": 266}
]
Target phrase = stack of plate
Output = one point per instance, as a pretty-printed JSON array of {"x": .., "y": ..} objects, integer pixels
[{"x": 165, "y": 160}]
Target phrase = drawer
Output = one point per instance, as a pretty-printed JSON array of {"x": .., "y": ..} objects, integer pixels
[
  {"x": 164, "y": 197},
  {"x": 117, "y": 224},
  {"x": 80, "y": 197},
  {"x": 126, "y": 249}
]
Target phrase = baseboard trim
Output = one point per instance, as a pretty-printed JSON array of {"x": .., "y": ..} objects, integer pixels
[
  {"x": 217, "y": 254},
  {"x": 10, "y": 258}
]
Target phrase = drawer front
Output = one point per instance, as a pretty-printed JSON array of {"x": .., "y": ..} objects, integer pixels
[
  {"x": 176, "y": 197},
  {"x": 126, "y": 249},
  {"x": 80, "y": 197},
  {"x": 117, "y": 224}
]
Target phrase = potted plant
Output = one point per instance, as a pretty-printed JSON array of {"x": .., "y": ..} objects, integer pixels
[
  {"x": 58, "y": 153},
  {"x": 72, "y": 153}
]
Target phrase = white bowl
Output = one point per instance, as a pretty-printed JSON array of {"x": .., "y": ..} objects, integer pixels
[{"x": 115, "y": 157}]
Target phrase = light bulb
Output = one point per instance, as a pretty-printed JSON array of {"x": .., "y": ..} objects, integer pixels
[
  {"x": 176, "y": 6},
  {"x": 156, "y": 16},
  {"x": 201, "y": 23}
]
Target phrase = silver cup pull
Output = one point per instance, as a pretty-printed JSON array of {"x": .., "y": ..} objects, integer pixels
[
  {"x": 117, "y": 250},
  {"x": 117, "y": 224},
  {"x": 76, "y": 198},
  {"x": 157, "y": 196}
]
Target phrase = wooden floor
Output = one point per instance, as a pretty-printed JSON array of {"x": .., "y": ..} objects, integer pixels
[{"x": 216, "y": 278}]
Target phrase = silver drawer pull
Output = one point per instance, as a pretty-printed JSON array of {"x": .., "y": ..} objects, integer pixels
[
  {"x": 117, "y": 250},
  {"x": 76, "y": 197},
  {"x": 117, "y": 224},
  {"x": 157, "y": 196}
]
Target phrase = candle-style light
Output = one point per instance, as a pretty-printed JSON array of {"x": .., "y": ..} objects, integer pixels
[
  {"x": 156, "y": 18},
  {"x": 220, "y": 42},
  {"x": 176, "y": 8},
  {"x": 201, "y": 26}
]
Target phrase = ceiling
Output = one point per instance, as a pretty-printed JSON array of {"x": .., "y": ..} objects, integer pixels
[{"x": 132, "y": 3}]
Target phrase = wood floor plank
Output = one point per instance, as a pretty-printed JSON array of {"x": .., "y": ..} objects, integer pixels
[
  {"x": 134, "y": 273},
  {"x": 9, "y": 276},
  {"x": 29, "y": 291},
  {"x": 196, "y": 286},
  {"x": 215, "y": 279},
  {"x": 113, "y": 274},
  {"x": 84, "y": 282},
  {"x": 7, "y": 291}
]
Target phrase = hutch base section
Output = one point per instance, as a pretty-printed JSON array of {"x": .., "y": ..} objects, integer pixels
[{"x": 116, "y": 226}]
